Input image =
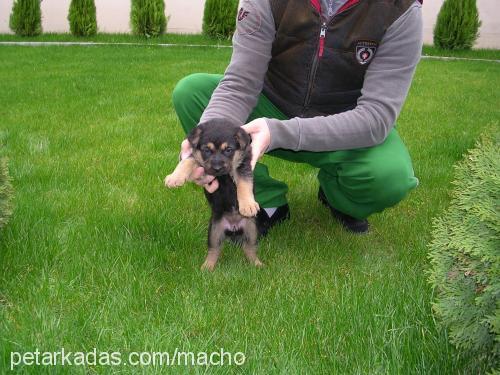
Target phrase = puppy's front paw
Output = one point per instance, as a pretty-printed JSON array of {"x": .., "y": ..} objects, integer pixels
[
  {"x": 248, "y": 208},
  {"x": 257, "y": 263},
  {"x": 174, "y": 180},
  {"x": 208, "y": 265}
]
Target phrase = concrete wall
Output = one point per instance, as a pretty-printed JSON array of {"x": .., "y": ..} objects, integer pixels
[
  {"x": 112, "y": 15},
  {"x": 186, "y": 16},
  {"x": 489, "y": 14}
]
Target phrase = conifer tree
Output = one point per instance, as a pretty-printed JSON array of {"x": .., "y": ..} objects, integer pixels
[
  {"x": 147, "y": 17},
  {"x": 219, "y": 18},
  {"x": 82, "y": 18},
  {"x": 465, "y": 254},
  {"x": 457, "y": 25},
  {"x": 26, "y": 17}
]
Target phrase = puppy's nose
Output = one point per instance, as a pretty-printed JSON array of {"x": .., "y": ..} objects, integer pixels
[{"x": 217, "y": 168}]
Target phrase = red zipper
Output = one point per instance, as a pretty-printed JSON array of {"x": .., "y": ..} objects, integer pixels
[
  {"x": 324, "y": 27},
  {"x": 322, "y": 36},
  {"x": 321, "y": 45}
]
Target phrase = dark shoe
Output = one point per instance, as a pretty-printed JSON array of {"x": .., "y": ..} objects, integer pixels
[
  {"x": 264, "y": 222},
  {"x": 350, "y": 223}
]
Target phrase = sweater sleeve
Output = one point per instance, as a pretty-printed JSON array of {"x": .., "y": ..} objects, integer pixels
[
  {"x": 385, "y": 87},
  {"x": 238, "y": 91}
]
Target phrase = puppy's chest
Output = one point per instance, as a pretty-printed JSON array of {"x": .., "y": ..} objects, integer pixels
[{"x": 224, "y": 200}]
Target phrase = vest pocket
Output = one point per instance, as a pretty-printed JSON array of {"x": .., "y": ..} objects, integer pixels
[
  {"x": 340, "y": 71},
  {"x": 330, "y": 103}
]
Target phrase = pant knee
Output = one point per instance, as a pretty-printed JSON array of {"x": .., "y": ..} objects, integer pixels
[
  {"x": 191, "y": 96},
  {"x": 391, "y": 184},
  {"x": 185, "y": 90},
  {"x": 363, "y": 192}
]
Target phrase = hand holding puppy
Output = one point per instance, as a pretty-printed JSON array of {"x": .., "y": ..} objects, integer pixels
[
  {"x": 261, "y": 138},
  {"x": 198, "y": 176}
]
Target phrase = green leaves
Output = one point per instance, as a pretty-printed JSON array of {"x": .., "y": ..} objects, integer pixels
[
  {"x": 457, "y": 25},
  {"x": 147, "y": 17},
  {"x": 82, "y": 18},
  {"x": 219, "y": 18},
  {"x": 465, "y": 253},
  {"x": 26, "y": 17}
]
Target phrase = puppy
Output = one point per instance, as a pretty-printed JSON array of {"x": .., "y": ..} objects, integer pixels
[{"x": 223, "y": 150}]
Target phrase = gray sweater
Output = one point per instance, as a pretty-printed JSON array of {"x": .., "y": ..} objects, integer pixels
[{"x": 386, "y": 84}]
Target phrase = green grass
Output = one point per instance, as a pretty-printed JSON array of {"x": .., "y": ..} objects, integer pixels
[
  {"x": 482, "y": 53},
  {"x": 100, "y": 255},
  {"x": 491, "y": 54},
  {"x": 117, "y": 38}
]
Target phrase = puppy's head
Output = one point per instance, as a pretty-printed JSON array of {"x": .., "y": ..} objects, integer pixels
[{"x": 219, "y": 146}]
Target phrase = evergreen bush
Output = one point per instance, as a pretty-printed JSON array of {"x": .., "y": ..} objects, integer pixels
[
  {"x": 26, "y": 17},
  {"x": 5, "y": 193},
  {"x": 147, "y": 17},
  {"x": 82, "y": 18},
  {"x": 457, "y": 25},
  {"x": 219, "y": 18},
  {"x": 465, "y": 254}
]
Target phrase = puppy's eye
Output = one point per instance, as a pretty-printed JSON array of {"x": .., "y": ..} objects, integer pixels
[
  {"x": 228, "y": 151},
  {"x": 206, "y": 151}
]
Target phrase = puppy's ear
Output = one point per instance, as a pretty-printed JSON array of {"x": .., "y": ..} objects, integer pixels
[
  {"x": 242, "y": 138},
  {"x": 194, "y": 137}
]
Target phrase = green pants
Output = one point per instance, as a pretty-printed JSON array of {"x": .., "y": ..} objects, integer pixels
[{"x": 356, "y": 182}]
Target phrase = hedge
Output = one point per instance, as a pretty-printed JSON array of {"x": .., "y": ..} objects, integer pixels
[
  {"x": 465, "y": 254},
  {"x": 457, "y": 25},
  {"x": 26, "y": 17},
  {"x": 219, "y": 18},
  {"x": 147, "y": 17},
  {"x": 82, "y": 18}
]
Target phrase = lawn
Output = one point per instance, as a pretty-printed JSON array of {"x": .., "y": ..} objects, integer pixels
[{"x": 100, "y": 255}]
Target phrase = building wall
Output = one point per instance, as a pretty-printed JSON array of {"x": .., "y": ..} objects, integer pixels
[
  {"x": 489, "y": 11},
  {"x": 112, "y": 15},
  {"x": 186, "y": 17}
]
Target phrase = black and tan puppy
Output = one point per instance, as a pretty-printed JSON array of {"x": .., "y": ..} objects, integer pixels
[{"x": 223, "y": 150}]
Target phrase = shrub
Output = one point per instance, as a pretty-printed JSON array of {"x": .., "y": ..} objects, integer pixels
[
  {"x": 82, "y": 18},
  {"x": 219, "y": 18},
  {"x": 26, "y": 17},
  {"x": 465, "y": 254},
  {"x": 457, "y": 25},
  {"x": 147, "y": 17},
  {"x": 5, "y": 193}
]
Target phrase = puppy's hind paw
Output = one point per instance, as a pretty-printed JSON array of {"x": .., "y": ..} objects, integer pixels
[
  {"x": 248, "y": 208},
  {"x": 173, "y": 181}
]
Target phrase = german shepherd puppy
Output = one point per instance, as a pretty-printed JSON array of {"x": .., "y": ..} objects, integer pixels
[{"x": 223, "y": 150}]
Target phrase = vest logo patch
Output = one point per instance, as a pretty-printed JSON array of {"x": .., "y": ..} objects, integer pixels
[{"x": 365, "y": 50}]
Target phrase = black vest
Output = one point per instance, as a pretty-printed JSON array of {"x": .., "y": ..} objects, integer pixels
[{"x": 318, "y": 66}]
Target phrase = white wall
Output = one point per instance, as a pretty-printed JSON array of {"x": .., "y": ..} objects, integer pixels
[
  {"x": 186, "y": 17},
  {"x": 112, "y": 15},
  {"x": 489, "y": 14}
]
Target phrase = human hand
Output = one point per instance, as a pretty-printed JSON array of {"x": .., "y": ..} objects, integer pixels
[
  {"x": 261, "y": 138},
  {"x": 198, "y": 176}
]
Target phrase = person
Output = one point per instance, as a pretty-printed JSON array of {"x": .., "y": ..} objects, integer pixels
[{"x": 319, "y": 82}]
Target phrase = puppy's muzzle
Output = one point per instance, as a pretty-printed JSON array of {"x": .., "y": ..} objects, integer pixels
[{"x": 217, "y": 167}]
